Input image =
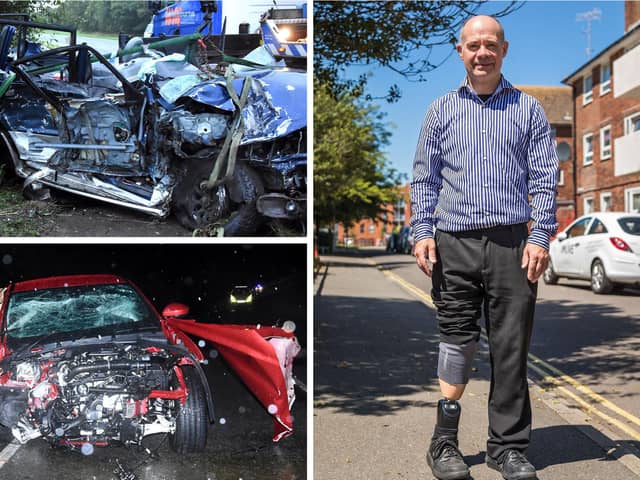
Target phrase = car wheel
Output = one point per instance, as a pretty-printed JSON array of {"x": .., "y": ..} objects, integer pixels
[
  {"x": 600, "y": 283},
  {"x": 195, "y": 206},
  {"x": 190, "y": 435},
  {"x": 549, "y": 276},
  {"x": 244, "y": 188}
]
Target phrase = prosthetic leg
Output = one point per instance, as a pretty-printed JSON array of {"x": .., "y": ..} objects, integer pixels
[{"x": 443, "y": 456}]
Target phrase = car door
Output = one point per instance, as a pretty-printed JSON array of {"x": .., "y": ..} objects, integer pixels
[
  {"x": 594, "y": 241},
  {"x": 569, "y": 257}
]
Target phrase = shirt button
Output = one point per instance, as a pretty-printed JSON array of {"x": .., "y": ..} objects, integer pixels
[
  {"x": 486, "y": 185},
  {"x": 484, "y": 131}
]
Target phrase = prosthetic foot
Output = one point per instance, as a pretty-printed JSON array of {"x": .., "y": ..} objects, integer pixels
[{"x": 443, "y": 456}]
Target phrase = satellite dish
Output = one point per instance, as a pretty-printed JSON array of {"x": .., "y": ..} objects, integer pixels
[{"x": 564, "y": 151}]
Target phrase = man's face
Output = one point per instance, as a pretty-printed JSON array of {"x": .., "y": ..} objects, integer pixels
[{"x": 482, "y": 50}]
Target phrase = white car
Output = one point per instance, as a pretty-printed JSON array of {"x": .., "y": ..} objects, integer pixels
[{"x": 603, "y": 247}]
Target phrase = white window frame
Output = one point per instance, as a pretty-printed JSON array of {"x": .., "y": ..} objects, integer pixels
[
  {"x": 628, "y": 194},
  {"x": 587, "y": 201},
  {"x": 587, "y": 96},
  {"x": 605, "y": 87},
  {"x": 560, "y": 178},
  {"x": 587, "y": 159},
  {"x": 605, "y": 152},
  {"x": 628, "y": 123},
  {"x": 603, "y": 196}
]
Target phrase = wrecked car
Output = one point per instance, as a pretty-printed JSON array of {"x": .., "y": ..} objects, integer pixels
[
  {"x": 221, "y": 148},
  {"x": 87, "y": 361}
]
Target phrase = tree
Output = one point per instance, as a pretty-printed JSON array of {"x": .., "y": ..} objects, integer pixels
[
  {"x": 104, "y": 16},
  {"x": 30, "y": 7},
  {"x": 397, "y": 35},
  {"x": 352, "y": 178}
]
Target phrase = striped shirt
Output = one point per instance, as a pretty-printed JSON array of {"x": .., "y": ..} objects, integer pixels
[{"x": 478, "y": 163}]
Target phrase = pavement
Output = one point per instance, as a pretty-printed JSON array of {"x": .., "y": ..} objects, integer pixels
[{"x": 375, "y": 391}]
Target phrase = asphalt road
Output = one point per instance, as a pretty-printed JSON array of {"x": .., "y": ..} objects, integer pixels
[
  {"x": 375, "y": 388},
  {"x": 593, "y": 338}
]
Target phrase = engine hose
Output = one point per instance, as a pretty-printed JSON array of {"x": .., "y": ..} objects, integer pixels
[{"x": 107, "y": 365}]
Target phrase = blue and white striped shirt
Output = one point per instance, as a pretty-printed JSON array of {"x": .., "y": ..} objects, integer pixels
[{"x": 478, "y": 162}]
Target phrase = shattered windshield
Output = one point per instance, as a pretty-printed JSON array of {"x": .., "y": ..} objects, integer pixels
[{"x": 73, "y": 309}]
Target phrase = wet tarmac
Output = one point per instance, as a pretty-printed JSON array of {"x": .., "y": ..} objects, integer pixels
[{"x": 239, "y": 446}]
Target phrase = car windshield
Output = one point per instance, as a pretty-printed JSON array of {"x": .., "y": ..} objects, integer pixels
[
  {"x": 75, "y": 309},
  {"x": 241, "y": 292},
  {"x": 630, "y": 225}
]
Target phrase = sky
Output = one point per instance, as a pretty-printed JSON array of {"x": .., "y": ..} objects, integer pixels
[{"x": 546, "y": 44}]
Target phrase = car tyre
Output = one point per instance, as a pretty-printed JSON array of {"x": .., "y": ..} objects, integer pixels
[
  {"x": 195, "y": 206},
  {"x": 549, "y": 276},
  {"x": 232, "y": 205},
  {"x": 600, "y": 283},
  {"x": 190, "y": 435}
]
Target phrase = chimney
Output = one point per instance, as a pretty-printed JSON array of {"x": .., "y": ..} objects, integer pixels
[{"x": 631, "y": 14}]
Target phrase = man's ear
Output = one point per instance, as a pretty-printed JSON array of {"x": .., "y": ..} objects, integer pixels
[
  {"x": 505, "y": 47},
  {"x": 459, "y": 49}
]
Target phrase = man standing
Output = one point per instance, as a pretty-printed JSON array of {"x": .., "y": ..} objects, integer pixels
[{"x": 485, "y": 166}]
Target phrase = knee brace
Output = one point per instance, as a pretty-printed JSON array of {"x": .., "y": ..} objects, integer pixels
[{"x": 454, "y": 362}]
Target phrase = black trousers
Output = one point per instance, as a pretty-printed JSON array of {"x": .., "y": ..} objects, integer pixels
[{"x": 479, "y": 271}]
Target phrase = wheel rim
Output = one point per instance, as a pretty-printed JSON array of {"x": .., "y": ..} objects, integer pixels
[
  {"x": 208, "y": 205},
  {"x": 597, "y": 276},
  {"x": 548, "y": 273}
]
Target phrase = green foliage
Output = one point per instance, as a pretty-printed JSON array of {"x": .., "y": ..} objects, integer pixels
[
  {"x": 103, "y": 16},
  {"x": 396, "y": 35},
  {"x": 34, "y": 9},
  {"x": 352, "y": 178}
]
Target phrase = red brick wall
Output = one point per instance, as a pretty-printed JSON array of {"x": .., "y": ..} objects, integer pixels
[
  {"x": 631, "y": 13},
  {"x": 598, "y": 177},
  {"x": 381, "y": 228},
  {"x": 566, "y": 209}
]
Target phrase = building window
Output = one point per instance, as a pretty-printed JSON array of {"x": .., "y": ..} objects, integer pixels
[
  {"x": 632, "y": 200},
  {"x": 605, "y": 79},
  {"x": 372, "y": 228},
  {"x": 587, "y": 89},
  {"x": 587, "y": 149},
  {"x": 605, "y": 202},
  {"x": 632, "y": 124},
  {"x": 362, "y": 228},
  {"x": 588, "y": 206},
  {"x": 605, "y": 142},
  {"x": 560, "y": 178}
]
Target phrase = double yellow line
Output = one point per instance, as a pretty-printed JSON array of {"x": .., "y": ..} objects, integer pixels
[{"x": 590, "y": 402}]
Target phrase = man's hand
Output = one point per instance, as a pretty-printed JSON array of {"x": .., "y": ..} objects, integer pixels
[
  {"x": 425, "y": 253},
  {"x": 536, "y": 260}
]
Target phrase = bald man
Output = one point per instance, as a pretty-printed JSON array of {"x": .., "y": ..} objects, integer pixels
[{"x": 485, "y": 167}]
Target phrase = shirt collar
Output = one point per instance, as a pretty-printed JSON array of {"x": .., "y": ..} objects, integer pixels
[{"x": 503, "y": 85}]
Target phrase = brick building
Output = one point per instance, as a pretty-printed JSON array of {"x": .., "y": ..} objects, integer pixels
[
  {"x": 606, "y": 98},
  {"x": 370, "y": 232},
  {"x": 558, "y": 106}
]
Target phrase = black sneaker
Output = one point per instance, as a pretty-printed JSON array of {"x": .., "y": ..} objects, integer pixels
[
  {"x": 445, "y": 460},
  {"x": 514, "y": 466}
]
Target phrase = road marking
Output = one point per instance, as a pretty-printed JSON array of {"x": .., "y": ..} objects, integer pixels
[
  {"x": 589, "y": 408},
  {"x": 8, "y": 452},
  {"x": 538, "y": 365},
  {"x": 426, "y": 299},
  {"x": 586, "y": 390}
]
